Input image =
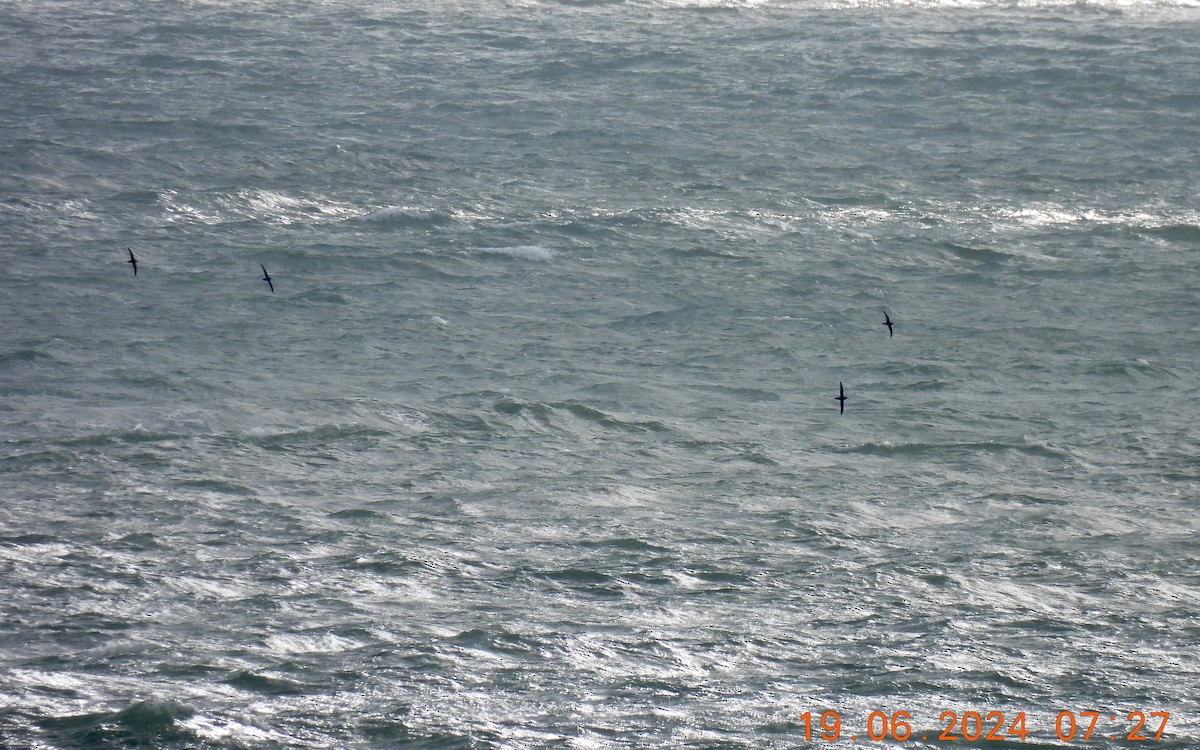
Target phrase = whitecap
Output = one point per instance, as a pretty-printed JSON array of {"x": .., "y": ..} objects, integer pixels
[
  {"x": 390, "y": 213},
  {"x": 310, "y": 644},
  {"x": 231, "y": 731},
  {"x": 209, "y": 589},
  {"x": 409, "y": 419},
  {"x": 403, "y": 216},
  {"x": 525, "y": 252}
]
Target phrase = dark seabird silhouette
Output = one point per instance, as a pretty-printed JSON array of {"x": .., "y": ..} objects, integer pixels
[
  {"x": 132, "y": 260},
  {"x": 887, "y": 321},
  {"x": 267, "y": 277},
  {"x": 841, "y": 398}
]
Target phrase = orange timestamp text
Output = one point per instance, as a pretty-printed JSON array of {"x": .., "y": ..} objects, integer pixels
[{"x": 994, "y": 726}]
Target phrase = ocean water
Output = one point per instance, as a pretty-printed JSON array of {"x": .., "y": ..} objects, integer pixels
[{"x": 535, "y": 443}]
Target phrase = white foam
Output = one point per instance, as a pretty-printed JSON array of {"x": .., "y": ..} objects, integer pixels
[
  {"x": 397, "y": 213},
  {"x": 310, "y": 644},
  {"x": 525, "y": 252},
  {"x": 410, "y": 420},
  {"x": 623, "y": 496},
  {"x": 226, "y": 731},
  {"x": 1046, "y": 214},
  {"x": 208, "y": 589},
  {"x": 281, "y": 208},
  {"x": 180, "y": 211},
  {"x": 263, "y": 205}
]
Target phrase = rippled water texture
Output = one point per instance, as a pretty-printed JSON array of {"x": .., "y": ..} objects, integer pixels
[{"x": 535, "y": 444}]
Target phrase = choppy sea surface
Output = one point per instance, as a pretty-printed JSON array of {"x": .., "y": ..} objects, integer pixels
[{"x": 534, "y": 444}]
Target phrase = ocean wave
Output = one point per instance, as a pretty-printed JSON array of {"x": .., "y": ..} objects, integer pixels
[
  {"x": 576, "y": 576},
  {"x": 889, "y": 448},
  {"x": 410, "y": 420},
  {"x": 659, "y": 318},
  {"x": 534, "y": 413},
  {"x": 627, "y": 544},
  {"x": 405, "y": 217},
  {"x": 322, "y": 297},
  {"x": 272, "y": 437},
  {"x": 741, "y": 393},
  {"x": 23, "y": 356},
  {"x": 218, "y": 486},
  {"x": 1183, "y": 225},
  {"x": 264, "y": 684},
  {"x": 270, "y": 206},
  {"x": 325, "y": 643},
  {"x": 97, "y": 437},
  {"x": 858, "y": 212},
  {"x": 523, "y": 252},
  {"x": 976, "y": 254},
  {"x": 498, "y": 641},
  {"x": 143, "y": 722},
  {"x": 1130, "y": 370},
  {"x": 559, "y": 414},
  {"x": 1183, "y": 233},
  {"x": 1026, "y": 498}
]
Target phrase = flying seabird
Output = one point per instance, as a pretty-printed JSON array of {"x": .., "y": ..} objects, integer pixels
[
  {"x": 132, "y": 260},
  {"x": 887, "y": 321},
  {"x": 267, "y": 277},
  {"x": 841, "y": 398}
]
